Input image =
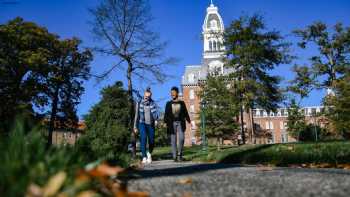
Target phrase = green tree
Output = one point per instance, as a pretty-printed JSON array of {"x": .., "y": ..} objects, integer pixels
[
  {"x": 24, "y": 55},
  {"x": 69, "y": 67},
  {"x": 220, "y": 108},
  {"x": 329, "y": 67},
  {"x": 252, "y": 52},
  {"x": 339, "y": 106},
  {"x": 333, "y": 48},
  {"x": 296, "y": 122},
  {"x": 107, "y": 135}
]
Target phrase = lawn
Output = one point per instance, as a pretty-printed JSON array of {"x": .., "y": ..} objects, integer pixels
[{"x": 328, "y": 154}]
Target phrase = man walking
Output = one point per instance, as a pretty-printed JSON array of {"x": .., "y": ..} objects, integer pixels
[
  {"x": 175, "y": 117},
  {"x": 146, "y": 117}
]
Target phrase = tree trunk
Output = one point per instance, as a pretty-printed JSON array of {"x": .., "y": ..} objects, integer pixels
[
  {"x": 242, "y": 125},
  {"x": 253, "y": 128},
  {"x": 53, "y": 116},
  {"x": 132, "y": 108}
]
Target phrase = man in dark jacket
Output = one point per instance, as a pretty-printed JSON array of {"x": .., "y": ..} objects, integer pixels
[{"x": 175, "y": 117}]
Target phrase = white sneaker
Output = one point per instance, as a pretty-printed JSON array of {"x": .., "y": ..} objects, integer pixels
[
  {"x": 144, "y": 160},
  {"x": 149, "y": 157}
]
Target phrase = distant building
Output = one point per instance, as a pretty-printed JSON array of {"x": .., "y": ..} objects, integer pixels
[
  {"x": 269, "y": 128},
  {"x": 67, "y": 136}
]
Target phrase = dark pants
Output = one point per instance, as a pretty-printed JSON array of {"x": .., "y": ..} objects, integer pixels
[{"x": 146, "y": 132}]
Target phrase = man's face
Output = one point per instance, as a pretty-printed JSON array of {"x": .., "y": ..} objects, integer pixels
[
  {"x": 147, "y": 96},
  {"x": 174, "y": 94}
]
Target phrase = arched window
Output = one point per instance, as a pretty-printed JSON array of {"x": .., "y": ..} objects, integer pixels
[
  {"x": 215, "y": 49},
  {"x": 210, "y": 46}
]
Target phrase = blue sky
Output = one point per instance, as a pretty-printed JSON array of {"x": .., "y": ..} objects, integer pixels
[{"x": 179, "y": 22}]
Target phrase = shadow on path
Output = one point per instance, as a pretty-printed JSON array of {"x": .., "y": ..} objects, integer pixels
[{"x": 178, "y": 169}]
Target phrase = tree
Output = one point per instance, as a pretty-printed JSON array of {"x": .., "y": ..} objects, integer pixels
[
  {"x": 339, "y": 106},
  {"x": 107, "y": 135},
  {"x": 24, "y": 55},
  {"x": 69, "y": 67},
  {"x": 333, "y": 59},
  {"x": 125, "y": 26},
  {"x": 220, "y": 108},
  {"x": 303, "y": 83},
  {"x": 296, "y": 122},
  {"x": 252, "y": 52},
  {"x": 329, "y": 67}
]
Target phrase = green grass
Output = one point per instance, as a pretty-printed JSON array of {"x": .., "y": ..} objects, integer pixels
[{"x": 334, "y": 153}]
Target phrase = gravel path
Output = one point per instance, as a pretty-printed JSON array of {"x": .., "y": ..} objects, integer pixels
[{"x": 166, "y": 178}]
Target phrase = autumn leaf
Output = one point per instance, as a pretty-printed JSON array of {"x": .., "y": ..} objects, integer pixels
[
  {"x": 34, "y": 190},
  {"x": 185, "y": 181},
  {"x": 54, "y": 184},
  {"x": 138, "y": 194},
  {"x": 104, "y": 170},
  {"x": 88, "y": 193}
]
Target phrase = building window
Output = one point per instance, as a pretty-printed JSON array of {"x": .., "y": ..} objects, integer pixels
[
  {"x": 269, "y": 125},
  {"x": 210, "y": 46},
  {"x": 191, "y": 78},
  {"x": 271, "y": 139},
  {"x": 191, "y": 94},
  {"x": 282, "y": 112},
  {"x": 193, "y": 125},
  {"x": 215, "y": 46},
  {"x": 284, "y": 138},
  {"x": 261, "y": 113},
  {"x": 281, "y": 125},
  {"x": 192, "y": 108},
  {"x": 313, "y": 111}
]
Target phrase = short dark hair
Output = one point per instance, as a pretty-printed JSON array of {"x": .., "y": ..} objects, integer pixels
[
  {"x": 176, "y": 89},
  {"x": 148, "y": 89}
]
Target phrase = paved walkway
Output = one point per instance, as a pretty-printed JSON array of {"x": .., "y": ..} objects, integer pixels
[{"x": 166, "y": 178}]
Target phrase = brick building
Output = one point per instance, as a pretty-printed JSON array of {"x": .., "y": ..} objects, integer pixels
[{"x": 270, "y": 128}]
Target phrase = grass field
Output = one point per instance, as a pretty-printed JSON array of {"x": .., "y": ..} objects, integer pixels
[{"x": 331, "y": 154}]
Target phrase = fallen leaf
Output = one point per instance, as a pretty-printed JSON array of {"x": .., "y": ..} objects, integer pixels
[
  {"x": 88, "y": 193},
  {"x": 54, "y": 184},
  {"x": 34, "y": 191},
  {"x": 264, "y": 168},
  {"x": 104, "y": 170},
  {"x": 138, "y": 194},
  {"x": 185, "y": 181}
]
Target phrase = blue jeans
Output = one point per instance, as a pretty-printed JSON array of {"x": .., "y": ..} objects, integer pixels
[{"x": 146, "y": 131}]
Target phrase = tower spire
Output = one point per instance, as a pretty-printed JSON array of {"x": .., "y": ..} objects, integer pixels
[{"x": 211, "y": 2}]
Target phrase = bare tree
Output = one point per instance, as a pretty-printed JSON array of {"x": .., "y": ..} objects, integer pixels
[{"x": 124, "y": 26}]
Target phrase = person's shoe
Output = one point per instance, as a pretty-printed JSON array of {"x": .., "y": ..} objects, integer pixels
[
  {"x": 180, "y": 159},
  {"x": 144, "y": 160},
  {"x": 149, "y": 157},
  {"x": 175, "y": 159}
]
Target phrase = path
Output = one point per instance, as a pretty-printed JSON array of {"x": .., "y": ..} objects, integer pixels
[{"x": 166, "y": 178}]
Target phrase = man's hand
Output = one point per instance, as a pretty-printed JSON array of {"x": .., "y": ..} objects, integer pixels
[
  {"x": 136, "y": 130},
  {"x": 156, "y": 123}
]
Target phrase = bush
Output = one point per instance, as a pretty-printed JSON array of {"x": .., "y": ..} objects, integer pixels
[
  {"x": 25, "y": 160},
  {"x": 107, "y": 135}
]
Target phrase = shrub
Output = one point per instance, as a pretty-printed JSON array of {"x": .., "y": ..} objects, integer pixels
[
  {"x": 107, "y": 134},
  {"x": 25, "y": 160}
]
